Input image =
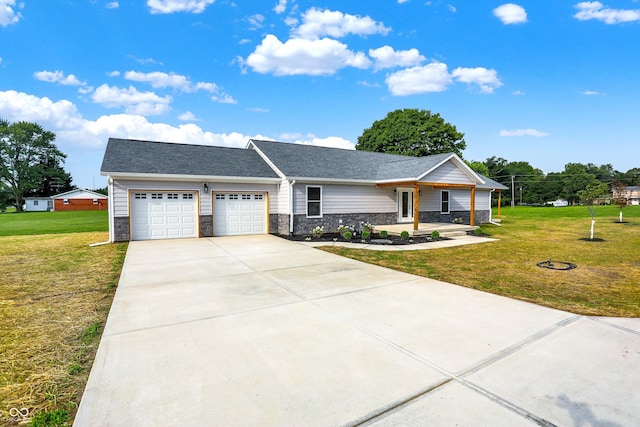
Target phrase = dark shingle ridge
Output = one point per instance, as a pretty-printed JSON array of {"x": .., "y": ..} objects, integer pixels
[{"x": 168, "y": 158}]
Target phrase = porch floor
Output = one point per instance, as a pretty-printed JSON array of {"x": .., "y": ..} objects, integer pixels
[{"x": 425, "y": 228}]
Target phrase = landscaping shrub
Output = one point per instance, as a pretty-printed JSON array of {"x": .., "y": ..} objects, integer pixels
[
  {"x": 404, "y": 235},
  {"x": 366, "y": 235},
  {"x": 317, "y": 232},
  {"x": 347, "y": 235},
  {"x": 384, "y": 234},
  {"x": 435, "y": 235}
]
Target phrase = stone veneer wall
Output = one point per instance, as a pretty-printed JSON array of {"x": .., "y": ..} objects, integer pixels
[
  {"x": 121, "y": 229},
  {"x": 206, "y": 225},
  {"x": 279, "y": 223},
  {"x": 304, "y": 225}
]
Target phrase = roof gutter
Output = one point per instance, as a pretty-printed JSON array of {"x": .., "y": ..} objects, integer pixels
[{"x": 158, "y": 177}]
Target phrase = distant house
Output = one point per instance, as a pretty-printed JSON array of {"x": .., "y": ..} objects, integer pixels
[
  {"x": 80, "y": 200},
  {"x": 632, "y": 194},
  {"x": 38, "y": 204},
  {"x": 559, "y": 203}
]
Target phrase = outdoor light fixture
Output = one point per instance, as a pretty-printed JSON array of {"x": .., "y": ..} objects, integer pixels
[{"x": 206, "y": 187}]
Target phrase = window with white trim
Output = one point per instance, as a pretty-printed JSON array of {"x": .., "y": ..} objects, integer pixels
[
  {"x": 172, "y": 196},
  {"x": 65, "y": 201},
  {"x": 246, "y": 197},
  {"x": 314, "y": 201},
  {"x": 219, "y": 196},
  {"x": 95, "y": 201},
  {"x": 140, "y": 195},
  {"x": 157, "y": 196},
  {"x": 444, "y": 201},
  {"x": 258, "y": 197},
  {"x": 35, "y": 203},
  {"x": 187, "y": 196},
  {"x": 233, "y": 197}
]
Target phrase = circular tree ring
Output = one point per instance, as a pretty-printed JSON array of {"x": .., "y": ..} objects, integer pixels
[{"x": 557, "y": 265}]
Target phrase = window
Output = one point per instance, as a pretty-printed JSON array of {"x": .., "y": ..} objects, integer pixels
[
  {"x": 444, "y": 201},
  {"x": 35, "y": 203},
  {"x": 65, "y": 201},
  {"x": 258, "y": 197},
  {"x": 157, "y": 196},
  {"x": 219, "y": 196},
  {"x": 140, "y": 195},
  {"x": 246, "y": 197},
  {"x": 172, "y": 196},
  {"x": 314, "y": 202},
  {"x": 233, "y": 197},
  {"x": 95, "y": 201}
]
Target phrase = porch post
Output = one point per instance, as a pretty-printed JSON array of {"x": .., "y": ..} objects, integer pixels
[
  {"x": 472, "y": 216},
  {"x": 416, "y": 206},
  {"x": 499, "y": 202}
]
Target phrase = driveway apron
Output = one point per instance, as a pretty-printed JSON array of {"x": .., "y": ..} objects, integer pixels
[{"x": 257, "y": 330}]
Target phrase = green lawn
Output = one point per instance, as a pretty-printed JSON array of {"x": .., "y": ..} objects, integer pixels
[
  {"x": 55, "y": 294},
  {"x": 606, "y": 282},
  {"x": 32, "y": 223}
]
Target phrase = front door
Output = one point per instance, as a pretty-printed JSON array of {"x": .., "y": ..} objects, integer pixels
[{"x": 405, "y": 205}]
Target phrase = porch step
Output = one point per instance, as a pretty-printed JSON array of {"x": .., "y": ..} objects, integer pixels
[{"x": 453, "y": 233}]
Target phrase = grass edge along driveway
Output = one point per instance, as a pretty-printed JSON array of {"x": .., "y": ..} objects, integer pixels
[
  {"x": 606, "y": 282},
  {"x": 55, "y": 295}
]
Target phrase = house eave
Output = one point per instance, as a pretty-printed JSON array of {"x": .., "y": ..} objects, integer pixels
[{"x": 178, "y": 177}]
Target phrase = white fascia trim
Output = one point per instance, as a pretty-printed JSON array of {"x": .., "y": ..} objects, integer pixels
[
  {"x": 311, "y": 180},
  {"x": 209, "y": 178},
  {"x": 461, "y": 164},
  {"x": 264, "y": 157}
]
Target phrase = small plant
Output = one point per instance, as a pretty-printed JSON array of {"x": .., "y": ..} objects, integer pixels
[
  {"x": 435, "y": 234},
  {"x": 367, "y": 226},
  {"x": 317, "y": 232},
  {"x": 75, "y": 368},
  {"x": 404, "y": 235},
  {"x": 335, "y": 239},
  {"x": 479, "y": 231},
  {"x": 457, "y": 220},
  {"x": 57, "y": 417},
  {"x": 384, "y": 234},
  {"x": 366, "y": 235},
  {"x": 90, "y": 333},
  {"x": 347, "y": 235},
  {"x": 307, "y": 239},
  {"x": 342, "y": 229}
]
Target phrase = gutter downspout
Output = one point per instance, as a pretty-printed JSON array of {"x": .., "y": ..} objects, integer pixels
[
  {"x": 110, "y": 208},
  {"x": 291, "y": 184},
  {"x": 490, "y": 212}
]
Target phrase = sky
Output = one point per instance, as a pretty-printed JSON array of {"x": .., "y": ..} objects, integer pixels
[{"x": 544, "y": 81}]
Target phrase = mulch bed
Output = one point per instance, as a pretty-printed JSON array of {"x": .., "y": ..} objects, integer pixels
[{"x": 335, "y": 237}]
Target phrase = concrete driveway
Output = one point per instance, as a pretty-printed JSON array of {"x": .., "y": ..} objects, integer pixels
[{"x": 256, "y": 330}]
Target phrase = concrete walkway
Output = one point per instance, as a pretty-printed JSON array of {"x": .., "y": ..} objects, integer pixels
[{"x": 257, "y": 330}]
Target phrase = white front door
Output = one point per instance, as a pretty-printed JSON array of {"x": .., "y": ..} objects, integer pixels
[{"x": 405, "y": 205}]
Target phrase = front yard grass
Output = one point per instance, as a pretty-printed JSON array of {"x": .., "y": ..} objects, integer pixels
[
  {"x": 56, "y": 292},
  {"x": 32, "y": 223},
  {"x": 606, "y": 282}
]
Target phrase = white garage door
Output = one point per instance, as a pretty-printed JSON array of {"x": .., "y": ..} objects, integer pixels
[
  {"x": 239, "y": 213},
  {"x": 163, "y": 215}
]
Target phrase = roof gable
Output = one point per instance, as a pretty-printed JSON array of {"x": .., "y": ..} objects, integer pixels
[
  {"x": 128, "y": 156},
  {"x": 79, "y": 193}
]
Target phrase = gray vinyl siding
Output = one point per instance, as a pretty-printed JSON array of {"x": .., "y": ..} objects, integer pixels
[
  {"x": 346, "y": 199},
  {"x": 283, "y": 198},
  {"x": 122, "y": 187},
  {"x": 448, "y": 173},
  {"x": 460, "y": 200}
]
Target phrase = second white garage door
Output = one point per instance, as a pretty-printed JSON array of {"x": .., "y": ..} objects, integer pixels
[{"x": 239, "y": 213}]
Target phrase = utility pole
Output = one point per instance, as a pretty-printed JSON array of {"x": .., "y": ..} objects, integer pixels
[
  {"x": 513, "y": 192},
  {"x": 520, "y": 195}
]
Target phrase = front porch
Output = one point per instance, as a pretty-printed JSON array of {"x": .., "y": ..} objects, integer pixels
[{"x": 425, "y": 228}]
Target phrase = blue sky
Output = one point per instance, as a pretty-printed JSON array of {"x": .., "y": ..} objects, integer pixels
[{"x": 548, "y": 82}]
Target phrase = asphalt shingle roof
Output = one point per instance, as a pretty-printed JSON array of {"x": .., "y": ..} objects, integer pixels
[
  {"x": 309, "y": 161},
  {"x": 135, "y": 156}
]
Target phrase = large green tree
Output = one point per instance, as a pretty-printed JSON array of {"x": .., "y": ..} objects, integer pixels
[
  {"x": 25, "y": 150},
  {"x": 412, "y": 132}
]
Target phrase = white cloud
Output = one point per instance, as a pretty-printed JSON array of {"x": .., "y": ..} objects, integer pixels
[
  {"x": 588, "y": 10},
  {"x": 331, "y": 141},
  {"x": 159, "y": 79},
  {"x": 8, "y": 15},
  {"x": 592, "y": 93},
  {"x": 57, "y": 77},
  {"x": 486, "y": 80},
  {"x": 367, "y": 84},
  {"x": 317, "y": 23},
  {"x": 133, "y": 101},
  {"x": 387, "y": 57},
  {"x": 280, "y": 7},
  {"x": 256, "y": 21},
  {"x": 433, "y": 77},
  {"x": 172, "y": 6},
  {"x": 402, "y": 1},
  {"x": 511, "y": 13},
  {"x": 113, "y": 5},
  {"x": 258, "y": 109},
  {"x": 62, "y": 118},
  {"x": 187, "y": 116},
  {"x": 523, "y": 132},
  {"x": 21, "y": 106},
  {"x": 224, "y": 98},
  {"x": 209, "y": 87},
  {"x": 244, "y": 41},
  {"x": 452, "y": 8},
  {"x": 517, "y": 93},
  {"x": 301, "y": 56},
  {"x": 115, "y": 73}
]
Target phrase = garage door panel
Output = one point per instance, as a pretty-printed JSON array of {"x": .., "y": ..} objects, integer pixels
[
  {"x": 161, "y": 215},
  {"x": 239, "y": 213}
]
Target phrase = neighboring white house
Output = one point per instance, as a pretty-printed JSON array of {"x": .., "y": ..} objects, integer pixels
[
  {"x": 161, "y": 190},
  {"x": 559, "y": 203},
  {"x": 632, "y": 194},
  {"x": 38, "y": 204}
]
